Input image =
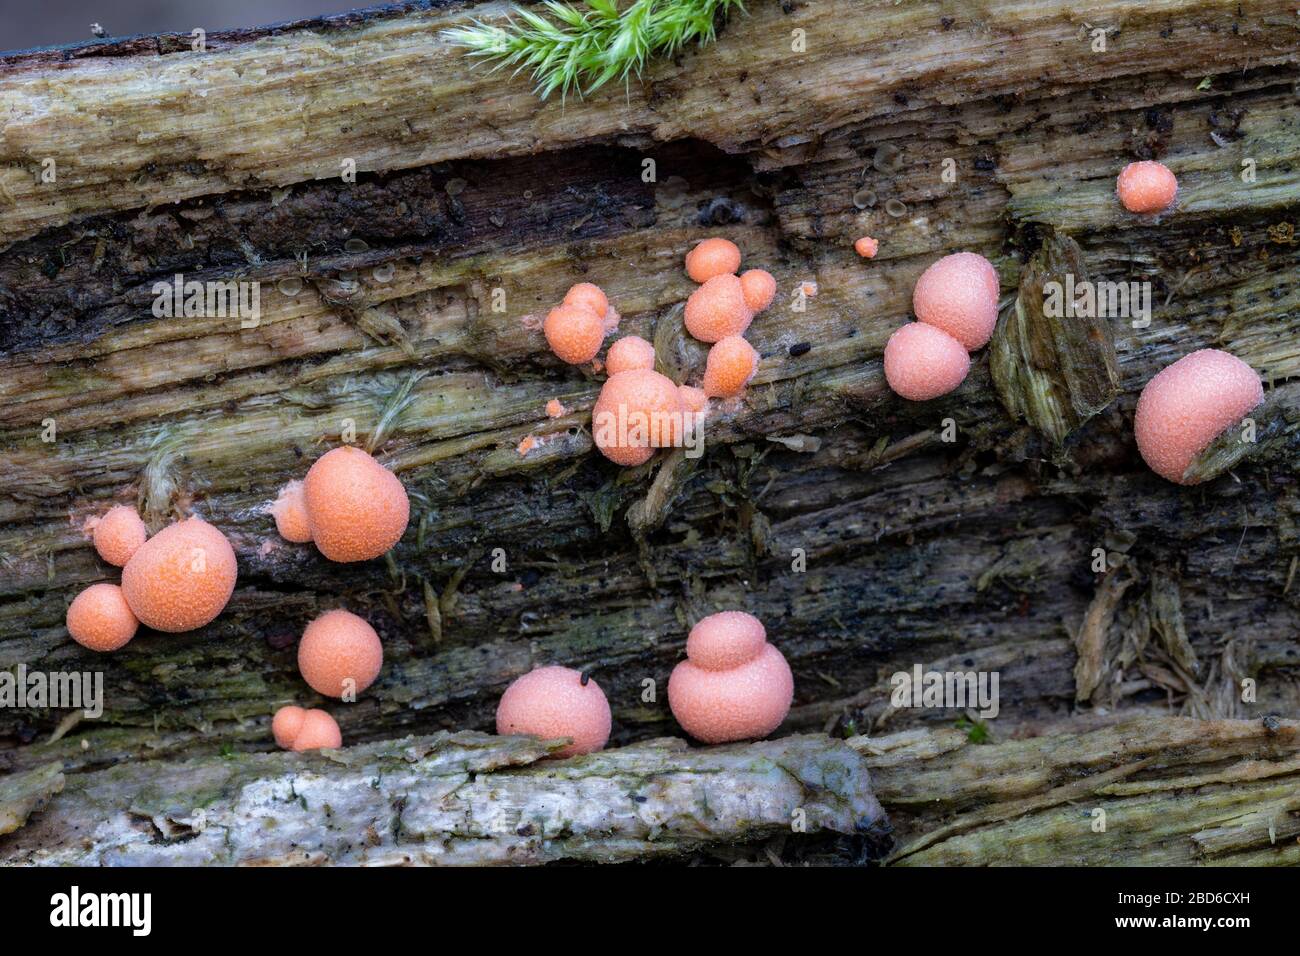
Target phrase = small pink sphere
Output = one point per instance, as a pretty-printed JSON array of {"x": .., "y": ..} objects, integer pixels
[
  {"x": 319, "y": 731},
  {"x": 119, "y": 534},
  {"x": 959, "y": 294},
  {"x": 100, "y": 619},
  {"x": 553, "y": 702},
  {"x": 1147, "y": 186},
  {"x": 733, "y": 684},
  {"x": 339, "y": 654},
  {"x": 1190, "y": 403},
  {"x": 285, "y": 725},
  {"x": 628, "y": 353},
  {"x": 923, "y": 362},
  {"x": 290, "y": 513},
  {"x": 759, "y": 289}
]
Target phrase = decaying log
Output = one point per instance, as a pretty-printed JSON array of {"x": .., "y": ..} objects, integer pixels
[
  {"x": 1152, "y": 791},
  {"x": 958, "y": 534},
  {"x": 453, "y": 799}
]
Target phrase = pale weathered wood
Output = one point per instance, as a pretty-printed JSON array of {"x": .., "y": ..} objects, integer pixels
[
  {"x": 458, "y": 799},
  {"x": 918, "y": 551}
]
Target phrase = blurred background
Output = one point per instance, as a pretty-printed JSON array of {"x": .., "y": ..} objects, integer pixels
[{"x": 27, "y": 23}]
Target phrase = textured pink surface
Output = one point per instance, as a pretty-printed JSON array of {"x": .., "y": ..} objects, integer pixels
[
  {"x": 1147, "y": 186},
  {"x": 285, "y": 725},
  {"x": 318, "y": 731},
  {"x": 867, "y": 247},
  {"x": 959, "y": 294},
  {"x": 693, "y": 399},
  {"x": 636, "y": 392},
  {"x": 119, "y": 534},
  {"x": 1190, "y": 403},
  {"x": 718, "y": 309},
  {"x": 726, "y": 639},
  {"x": 589, "y": 295},
  {"x": 552, "y": 702},
  {"x": 628, "y": 353},
  {"x": 923, "y": 362},
  {"x": 759, "y": 289},
  {"x": 100, "y": 619},
  {"x": 290, "y": 513},
  {"x": 712, "y": 257},
  {"x": 181, "y": 578},
  {"x": 574, "y": 333},
  {"x": 730, "y": 365},
  {"x": 733, "y": 684},
  {"x": 336, "y": 648},
  {"x": 357, "y": 507}
]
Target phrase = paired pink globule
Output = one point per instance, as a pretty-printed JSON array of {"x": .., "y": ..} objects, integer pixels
[
  {"x": 733, "y": 684},
  {"x": 296, "y": 728}
]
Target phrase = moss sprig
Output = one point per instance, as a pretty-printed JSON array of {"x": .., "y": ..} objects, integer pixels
[{"x": 578, "y": 49}]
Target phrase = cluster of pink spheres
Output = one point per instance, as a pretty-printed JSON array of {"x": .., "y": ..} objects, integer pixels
[
  {"x": 353, "y": 509},
  {"x": 178, "y": 580},
  {"x": 733, "y": 685},
  {"x": 956, "y": 304},
  {"x": 718, "y": 312},
  {"x": 721, "y": 310}
]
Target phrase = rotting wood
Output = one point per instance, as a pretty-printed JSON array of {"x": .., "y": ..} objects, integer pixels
[
  {"x": 452, "y": 799},
  {"x": 1152, "y": 791},
  {"x": 917, "y": 549}
]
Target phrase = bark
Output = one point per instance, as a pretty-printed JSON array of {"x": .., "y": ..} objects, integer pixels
[
  {"x": 1150, "y": 792},
  {"x": 1156, "y": 791},
  {"x": 451, "y": 799},
  {"x": 973, "y": 553}
]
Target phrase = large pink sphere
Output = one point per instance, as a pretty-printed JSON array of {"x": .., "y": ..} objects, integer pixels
[
  {"x": 959, "y": 294},
  {"x": 922, "y": 362},
  {"x": 553, "y": 702},
  {"x": 733, "y": 684},
  {"x": 1189, "y": 404}
]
